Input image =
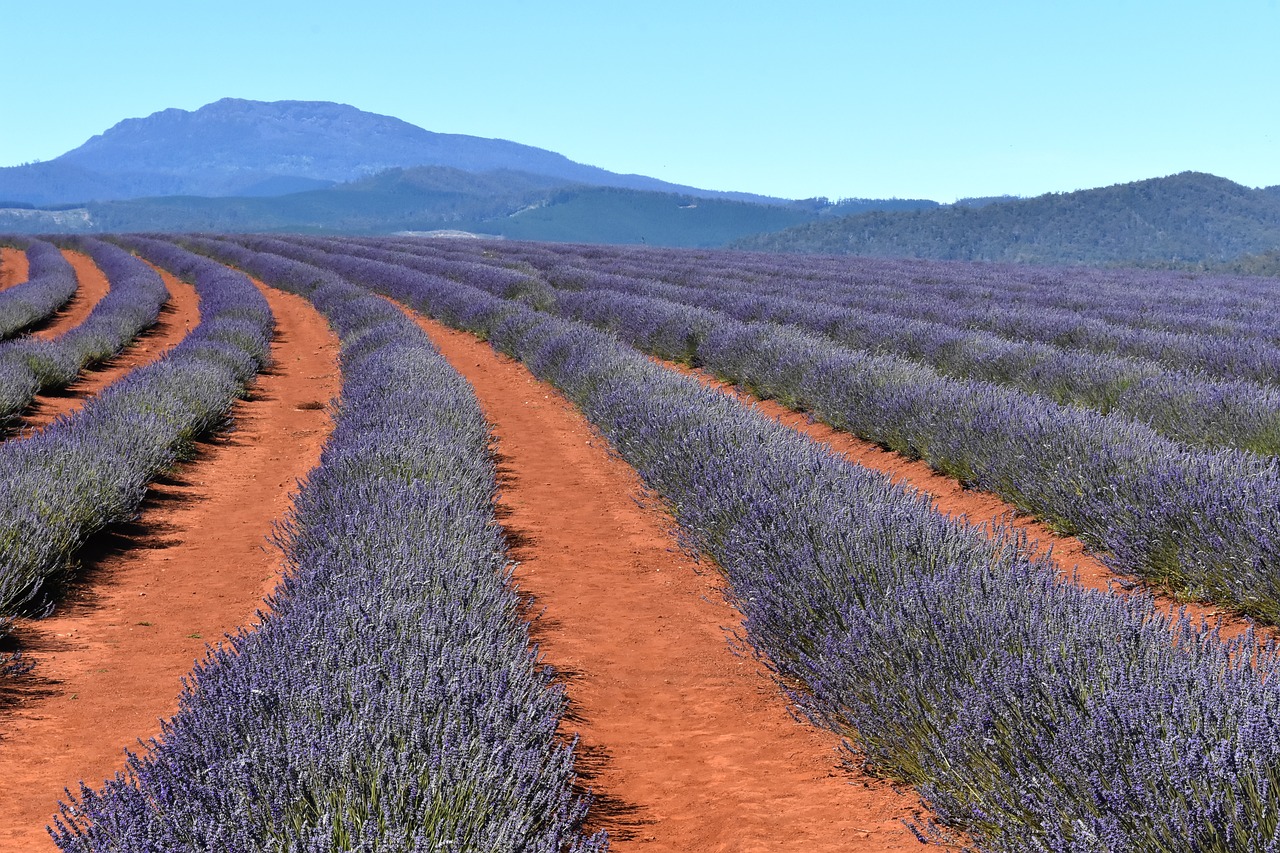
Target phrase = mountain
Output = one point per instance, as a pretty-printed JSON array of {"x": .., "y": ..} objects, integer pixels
[
  {"x": 236, "y": 147},
  {"x": 1188, "y": 217}
]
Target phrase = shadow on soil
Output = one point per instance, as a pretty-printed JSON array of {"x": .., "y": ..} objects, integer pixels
[
  {"x": 20, "y": 689},
  {"x": 78, "y": 588},
  {"x": 624, "y": 821}
]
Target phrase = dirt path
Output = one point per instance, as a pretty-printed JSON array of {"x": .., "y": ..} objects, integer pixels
[
  {"x": 13, "y": 267},
  {"x": 193, "y": 567},
  {"x": 952, "y": 499},
  {"x": 689, "y": 747},
  {"x": 93, "y": 285},
  {"x": 178, "y": 316}
]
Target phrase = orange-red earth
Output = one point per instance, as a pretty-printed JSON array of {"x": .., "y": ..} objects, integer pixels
[{"x": 194, "y": 566}]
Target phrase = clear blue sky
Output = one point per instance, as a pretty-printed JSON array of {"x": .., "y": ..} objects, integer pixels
[{"x": 844, "y": 99}]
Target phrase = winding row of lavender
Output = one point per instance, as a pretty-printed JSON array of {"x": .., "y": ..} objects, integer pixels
[
  {"x": 1035, "y": 716},
  {"x": 1077, "y": 302},
  {"x": 1174, "y": 301},
  {"x": 31, "y": 365},
  {"x": 1182, "y": 404},
  {"x": 389, "y": 700},
  {"x": 50, "y": 284},
  {"x": 1225, "y": 353},
  {"x": 91, "y": 468},
  {"x": 1203, "y": 522},
  {"x": 985, "y": 297}
]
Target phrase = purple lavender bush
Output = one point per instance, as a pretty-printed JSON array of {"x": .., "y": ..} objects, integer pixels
[
  {"x": 29, "y": 365},
  {"x": 1201, "y": 522},
  {"x": 389, "y": 699},
  {"x": 1032, "y": 715},
  {"x": 91, "y": 469},
  {"x": 50, "y": 284}
]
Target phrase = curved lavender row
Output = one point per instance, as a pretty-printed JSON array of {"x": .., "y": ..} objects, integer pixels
[
  {"x": 1181, "y": 404},
  {"x": 1223, "y": 306},
  {"x": 31, "y": 365},
  {"x": 902, "y": 289},
  {"x": 1203, "y": 522},
  {"x": 389, "y": 700},
  {"x": 91, "y": 469},
  {"x": 1034, "y": 715},
  {"x": 50, "y": 284},
  {"x": 1223, "y": 355}
]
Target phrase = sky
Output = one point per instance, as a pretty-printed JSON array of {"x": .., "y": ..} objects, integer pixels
[{"x": 835, "y": 98}]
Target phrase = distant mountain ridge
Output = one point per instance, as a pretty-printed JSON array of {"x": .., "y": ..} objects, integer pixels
[
  {"x": 237, "y": 147},
  {"x": 1183, "y": 218},
  {"x": 321, "y": 167},
  {"x": 429, "y": 198}
]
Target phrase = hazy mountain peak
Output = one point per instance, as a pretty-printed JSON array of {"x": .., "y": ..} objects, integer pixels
[
  {"x": 310, "y": 139},
  {"x": 236, "y": 146}
]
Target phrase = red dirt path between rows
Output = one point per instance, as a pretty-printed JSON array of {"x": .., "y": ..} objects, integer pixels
[
  {"x": 13, "y": 267},
  {"x": 687, "y": 746},
  {"x": 178, "y": 315},
  {"x": 92, "y": 286},
  {"x": 1070, "y": 556},
  {"x": 195, "y": 566}
]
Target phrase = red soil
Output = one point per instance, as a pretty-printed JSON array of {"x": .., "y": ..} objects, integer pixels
[
  {"x": 1072, "y": 558},
  {"x": 178, "y": 316},
  {"x": 688, "y": 747},
  {"x": 93, "y": 285},
  {"x": 13, "y": 267},
  {"x": 193, "y": 567}
]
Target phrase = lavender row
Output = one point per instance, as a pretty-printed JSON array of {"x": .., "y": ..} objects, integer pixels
[
  {"x": 1224, "y": 306},
  {"x": 91, "y": 469},
  {"x": 1181, "y": 404},
  {"x": 1202, "y": 522},
  {"x": 1221, "y": 353},
  {"x": 50, "y": 284},
  {"x": 1032, "y": 715},
  {"x": 991, "y": 303},
  {"x": 31, "y": 365},
  {"x": 389, "y": 700}
]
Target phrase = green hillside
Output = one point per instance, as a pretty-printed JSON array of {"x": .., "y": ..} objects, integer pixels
[
  {"x": 1189, "y": 217},
  {"x": 604, "y": 215},
  {"x": 504, "y": 203}
]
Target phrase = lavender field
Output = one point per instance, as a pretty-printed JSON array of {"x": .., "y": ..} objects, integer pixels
[{"x": 391, "y": 698}]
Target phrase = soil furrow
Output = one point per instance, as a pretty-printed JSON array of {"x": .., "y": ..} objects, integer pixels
[
  {"x": 92, "y": 285},
  {"x": 177, "y": 317},
  {"x": 193, "y": 567},
  {"x": 1073, "y": 559},
  {"x": 13, "y": 267},
  {"x": 686, "y": 745}
]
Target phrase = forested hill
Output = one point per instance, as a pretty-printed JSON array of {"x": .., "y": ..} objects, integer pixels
[{"x": 1188, "y": 217}]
